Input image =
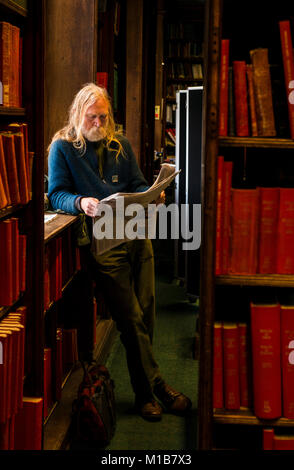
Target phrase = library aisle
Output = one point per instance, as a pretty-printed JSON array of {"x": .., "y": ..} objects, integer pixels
[{"x": 173, "y": 348}]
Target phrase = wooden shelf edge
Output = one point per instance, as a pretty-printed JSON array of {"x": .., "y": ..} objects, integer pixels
[
  {"x": 271, "y": 280},
  {"x": 11, "y": 111},
  {"x": 246, "y": 417},
  {"x": 12, "y": 6},
  {"x": 260, "y": 142}
]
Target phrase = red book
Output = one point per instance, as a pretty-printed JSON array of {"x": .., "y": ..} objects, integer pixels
[
  {"x": 14, "y": 71},
  {"x": 267, "y": 439},
  {"x": 283, "y": 442},
  {"x": 266, "y": 360},
  {"x": 244, "y": 366},
  {"x": 58, "y": 365},
  {"x": 102, "y": 79},
  {"x": 244, "y": 231},
  {"x": 288, "y": 63},
  {"x": 5, "y": 354},
  {"x": 4, "y": 177},
  {"x": 12, "y": 383},
  {"x": 15, "y": 258},
  {"x": 21, "y": 167},
  {"x": 22, "y": 261},
  {"x": 53, "y": 269},
  {"x": 47, "y": 381},
  {"x": 218, "y": 393},
  {"x": 219, "y": 204},
  {"x": 252, "y": 104},
  {"x": 240, "y": 95},
  {"x": 269, "y": 215},
  {"x": 14, "y": 319},
  {"x": 29, "y": 425},
  {"x": 78, "y": 259},
  {"x": 6, "y": 272},
  {"x": 5, "y": 61},
  {"x": 22, "y": 128},
  {"x": 224, "y": 87},
  {"x": 287, "y": 345},
  {"x": 285, "y": 243},
  {"x": 226, "y": 215},
  {"x": 4, "y": 435},
  {"x": 11, "y": 167},
  {"x": 231, "y": 366}
]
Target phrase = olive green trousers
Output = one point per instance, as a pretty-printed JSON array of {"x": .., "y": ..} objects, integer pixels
[{"x": 126, "y": 274}]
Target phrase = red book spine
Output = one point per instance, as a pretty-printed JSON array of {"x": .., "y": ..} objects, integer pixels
[
  {"x": 288, "y": 63},
  {"x": 244, "y": 366},
  {"x": 3, "y": 172},
  {"x": 244, "y": 228},
  {"x": 266, "y": 360},
  {"x": 47, "y": 381},
  {"x": 15, "y": 258},
  {"x": 269, "y": 214},
  {"x": 218, "y": 393},
  {"x": 11, "y": 167},
  {"x": 226, "y": 217},
  {"x": 78, "y": 259},
  {"x": 58, "y": 368},
  {"x": 6, "y": 271},
  {"x": 267, "y": 439},
  {"x": 29, "y": 425},
  {"x": 218, "y": 240},
  {"x": 285, "y": 244},
  {"x": 224, "y": 87},
  {"x": 231, "y": 366},
  {"x": 5, "y": 352},
  {"x": 287, "y": 336},
  {"x": 283, "y": 443},
  {"x": 240, "y": 94},
  {"x": 5, "y": 60},
  {"x": 252, "y": 104}
]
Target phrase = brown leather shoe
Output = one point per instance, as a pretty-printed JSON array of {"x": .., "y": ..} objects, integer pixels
[
  {"x": 150, "y": 410},
  {"x": 173, "y": 401}
]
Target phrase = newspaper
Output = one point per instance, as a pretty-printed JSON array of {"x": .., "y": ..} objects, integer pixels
[{"x": 121, "y": 201}]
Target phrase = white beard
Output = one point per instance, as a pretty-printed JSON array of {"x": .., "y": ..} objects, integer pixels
[{"x": 94, "y": 134}]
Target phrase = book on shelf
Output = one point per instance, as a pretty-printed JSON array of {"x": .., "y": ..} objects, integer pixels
[
  {"x": 251, "y": 101},
  {"x": 272, "y": 441},
  {"x": 287, "y": 336},
  {"x": 224, "y": 87},
  {"x": 244, "y": 231},
  {"x": 47, "y": 396},
  {"x": 263, "y": 92},
  {"x": 29, "y": 425},
  {"x": 219, "y": 205},
  {"x": 244, "y": 366},
  {"x": 268, "y": 222},
  {"x": 218, "y": 373},
  {"x": 240, "y": 95},
  {"x": 285, "y": 239},
  {"x": 10, "y": 62},
  {"x": 231, "y": 105},
  {"x": 288, "y": 65},
  {"x": 231, "y": 366},
  {"x": 266, "y": 360},
  {"x": 11, "y": 167},
  {"x": 102, "y": 79},
  {"x": 58, "y": 365},
  {"x": 69, "y": 347},
  {"x": 197, "y": 72}
]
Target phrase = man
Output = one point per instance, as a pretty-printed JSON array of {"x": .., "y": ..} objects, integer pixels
[{"x": 88, "y": 161}]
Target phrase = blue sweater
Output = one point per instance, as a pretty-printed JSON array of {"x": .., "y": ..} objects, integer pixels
[{"x": 72, "y": 175}]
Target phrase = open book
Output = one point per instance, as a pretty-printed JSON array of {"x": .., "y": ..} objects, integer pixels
[{"x": 117, "y": 209}]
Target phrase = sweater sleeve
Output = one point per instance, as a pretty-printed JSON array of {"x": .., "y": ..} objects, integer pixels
[{"x": 61, "y": 192}]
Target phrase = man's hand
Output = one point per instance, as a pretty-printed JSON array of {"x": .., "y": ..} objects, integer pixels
[
  {"x": 89, "y": 205},
  {"x": 160, "y": 199}
]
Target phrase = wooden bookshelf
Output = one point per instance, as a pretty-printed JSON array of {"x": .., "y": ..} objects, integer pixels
[
  {"x": 57, "y": 225},
  {"x": 10, "y": 111},
  {"x": 257, "y": 162}
]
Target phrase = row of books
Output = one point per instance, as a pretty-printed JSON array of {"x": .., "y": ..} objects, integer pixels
[
  {"x": 246, "y": 104},
  {"x": 171, "y": 135},
  {"x": 184, "y": 49},
  {"x": 253, "y": 365},
  {"x": 184, "y": 70},
  {"x": 15, "y": 166},
  {"x": 10, "y": 65},
  {"x": 254, "y": 228},
  {"x": 62, "y": 260},
  {"x": 185, "y": 30},
  {"x": 12, "y": 261},
  {"x": 272, "y": 441}
]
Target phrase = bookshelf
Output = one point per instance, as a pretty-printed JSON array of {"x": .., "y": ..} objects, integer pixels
[
  {"x": 258, "y": 161},
  {"x": 183, "y": 62}
]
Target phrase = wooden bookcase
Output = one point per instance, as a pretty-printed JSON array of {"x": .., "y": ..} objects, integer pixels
[{"x": 257, "y": 161}]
